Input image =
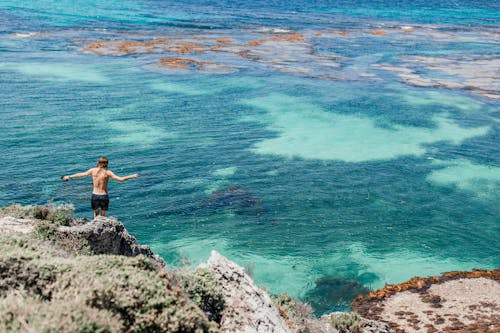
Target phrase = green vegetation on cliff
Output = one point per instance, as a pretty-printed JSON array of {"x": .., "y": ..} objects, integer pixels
[{"x": 43, "y": 288}]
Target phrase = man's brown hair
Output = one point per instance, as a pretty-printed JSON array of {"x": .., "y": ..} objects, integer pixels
[{"x": 102, "y": 162}]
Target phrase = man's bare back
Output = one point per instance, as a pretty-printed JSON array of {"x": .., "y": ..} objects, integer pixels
[{"x": 100, "y": 177}]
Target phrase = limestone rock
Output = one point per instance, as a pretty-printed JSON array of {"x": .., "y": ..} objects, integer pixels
[
  {"x": 453, "y": 302},
  {"x": 108, "y": 236},
  {"x": 248, "y": 309},
  {"x": 11, "y": 225}
]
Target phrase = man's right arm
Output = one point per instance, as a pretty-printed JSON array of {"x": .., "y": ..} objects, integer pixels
[{"x": 78, "y": 175}]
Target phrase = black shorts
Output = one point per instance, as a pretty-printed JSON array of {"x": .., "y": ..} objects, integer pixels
[{"x": 100, "y": 201}]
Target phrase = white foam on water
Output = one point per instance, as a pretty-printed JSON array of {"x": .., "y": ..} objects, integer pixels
[
  {"x": 134, "y": 132},
  {"x": 482, "y": 180},
  {"x": 24, "y": 35},
  {"x": 59, "y": 71},
  {"x": 225, "y": 172},
  {"x": 307, "y": 131}
]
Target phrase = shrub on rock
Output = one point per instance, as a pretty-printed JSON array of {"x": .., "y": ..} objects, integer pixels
[{"x": 204, "y": 290}]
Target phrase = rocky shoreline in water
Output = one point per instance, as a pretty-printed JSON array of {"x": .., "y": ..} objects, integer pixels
[{"x": 61, "y": 274}]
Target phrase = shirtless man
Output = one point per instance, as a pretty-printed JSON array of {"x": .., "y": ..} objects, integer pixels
[{"x": 100, "y": 176}]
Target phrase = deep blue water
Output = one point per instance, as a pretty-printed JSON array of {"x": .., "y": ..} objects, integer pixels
[{"x": 320, "y": 156}]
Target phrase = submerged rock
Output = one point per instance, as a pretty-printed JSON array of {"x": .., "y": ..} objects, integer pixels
[
  {"x": 248, "y": 309},
  {"x": 471, "y": 73},
  {"x": 233, "y": 198},
  {"x": 333, "y": 293}
]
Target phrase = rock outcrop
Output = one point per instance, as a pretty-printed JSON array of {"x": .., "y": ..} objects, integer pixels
[
  {"x": 46, "y": 289},
  {"x": 248, "y": 308},
  {"x": 103, "y": 235},
  {"x": 453, "y": 302},
  {"x": 106, "y": 235}
]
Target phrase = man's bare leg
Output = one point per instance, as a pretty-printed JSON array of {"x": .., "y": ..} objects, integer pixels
[
  {"x": 103, "y": 212},
  {"x": 96, "y": 212}
]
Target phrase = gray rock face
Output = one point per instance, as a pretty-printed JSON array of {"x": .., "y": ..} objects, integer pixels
[
  {"x": 11, "y": 225},
  {"x": 248, "y": 309},
  {"x": 109, "y": 236}
]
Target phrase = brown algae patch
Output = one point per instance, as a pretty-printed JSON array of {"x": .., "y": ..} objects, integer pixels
[
  {"x": 257, "y": 42},
  {"x": 183, "y": 63},
  {"x": 189, "y": 48},
  {"x": 288, "y": 52},
  {"x": 120, "y": 48},
  {"x": 292, "y": 38},
  {"x": 224, "y": 40},
  {"x": 293, "y": 52}
]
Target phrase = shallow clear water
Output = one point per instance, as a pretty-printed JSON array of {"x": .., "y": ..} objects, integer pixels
[{"x": 346, "y": 161}]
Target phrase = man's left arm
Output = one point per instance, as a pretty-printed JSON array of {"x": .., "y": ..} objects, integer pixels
[{"x": 121, "y": 179}]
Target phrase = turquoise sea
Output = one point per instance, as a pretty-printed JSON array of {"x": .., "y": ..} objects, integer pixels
[{"x": 325, "y": 146}]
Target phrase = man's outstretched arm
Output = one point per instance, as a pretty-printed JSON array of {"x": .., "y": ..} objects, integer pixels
[
  {"x": 121, "y": 179},
  {"x": 77, "y": 175}
]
